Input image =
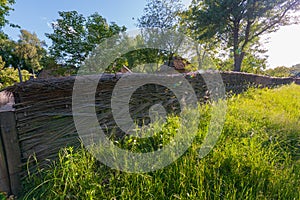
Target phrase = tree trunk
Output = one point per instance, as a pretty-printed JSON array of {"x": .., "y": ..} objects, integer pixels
[
  {"x": 170, "y": 58},
  {"x": 238, "y": 53},
  {"x": 20, "y": 74},
  {"x": 238, "y": 59}
]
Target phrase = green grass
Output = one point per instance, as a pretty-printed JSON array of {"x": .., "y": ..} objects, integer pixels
[
  {"x": 256, "y": 157},
  {"x": 3, "y": 196}
]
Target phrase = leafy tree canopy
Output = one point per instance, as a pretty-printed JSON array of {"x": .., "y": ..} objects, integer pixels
[
  {"x": 5, "y": 7},
  {"x": 9, "y": 75},
  {"x": 159, "y": 23},
  {"x": 74, "y": 36},
  {"x": 160, "y": 14},
  {"x": 238, "y": 23},
  {"x": 27, "y": 51},
  {"x": 30, "y": 51}
]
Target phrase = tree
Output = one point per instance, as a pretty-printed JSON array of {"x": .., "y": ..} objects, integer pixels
[
  {"x": 97, "y": 29},
  {"x": 9, "y": 75},
  {"x": 162, "y": 14},
  {"x": 68, "y": 39},
  {"x": 24, "y": 55},
  {"x": 238, "y": 23},
  {"x": 5, "y": 7},
  {"x": 255, "y": 61},
  {"x": 7, "y": 52},
  {"x": 74, "y": 36},
  {"x": 30, "y": 51},
  {"x": 160, "y": 23},
  {"x": 206, "y": 48}
]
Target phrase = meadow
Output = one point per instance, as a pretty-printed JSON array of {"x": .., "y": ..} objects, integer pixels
[{"x": 256, "y": 157}]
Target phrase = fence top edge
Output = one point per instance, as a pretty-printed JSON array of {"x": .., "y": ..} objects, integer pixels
[{"x": 115, "y": 77}]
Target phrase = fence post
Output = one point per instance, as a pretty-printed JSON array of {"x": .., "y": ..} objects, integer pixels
[
  {"x": 4, "y": 175},
  {"x": 11, "y": 149}
]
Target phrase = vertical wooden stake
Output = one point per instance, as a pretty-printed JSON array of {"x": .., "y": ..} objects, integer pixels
[
  {"x": 4, "y": 175},
  {"x": 12, "y": 149}
]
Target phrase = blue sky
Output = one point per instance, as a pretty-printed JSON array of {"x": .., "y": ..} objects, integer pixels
[
  {"x": 34, "y": 15},
  {"x": 37, "y": 15}
]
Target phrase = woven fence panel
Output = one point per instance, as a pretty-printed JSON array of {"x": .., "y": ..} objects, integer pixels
[{"x": 43, "y": 108}]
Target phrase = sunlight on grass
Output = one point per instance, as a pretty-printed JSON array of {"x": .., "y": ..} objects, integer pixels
[{"x": 256, "y": 157}]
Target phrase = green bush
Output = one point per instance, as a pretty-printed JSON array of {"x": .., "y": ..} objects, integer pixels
[
  {"x": 2, "y": 196},
  {"x": 9, "y": 76}
]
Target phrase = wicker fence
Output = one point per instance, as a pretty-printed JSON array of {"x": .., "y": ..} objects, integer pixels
[{"x": 40, "y": 122}]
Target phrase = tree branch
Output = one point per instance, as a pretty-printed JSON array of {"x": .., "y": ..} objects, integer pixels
[{"x": 276, "y": 21}]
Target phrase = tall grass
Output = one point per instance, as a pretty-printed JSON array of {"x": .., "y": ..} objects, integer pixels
[{"x": 256, "y": 157}]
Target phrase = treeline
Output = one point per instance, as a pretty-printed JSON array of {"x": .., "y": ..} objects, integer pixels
[
  {"x": 283, "y": 71},
  {"x": 228, "y": 32}
]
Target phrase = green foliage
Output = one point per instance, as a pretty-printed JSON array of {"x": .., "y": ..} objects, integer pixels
[
  {"x": 68, "y": 38},
  {"x": 50, "y": 65},
  {"x": 3, "y": 196},
  {"x": 160, "y": 26},
  {"x": 136, "y": 55},
  {"x": 251, "y": 64},
  {"x": 256, "y": 157},
  {"x": 283, "y": 71},
  {"x": 161, "y": 14},
  {"x": 238, "y": 23},
  {"x": 2, "y": 63},
  {"x": 207, "y": 49},
  {"x": 7, "y": 52},
  {"x": 279, "y": 72},
  {"x": 29, "y": 50},
  {"x": 138, "y": 58},
  {"x": 9, "y": 76},
  {"x": 74, "y": 36},
  {"x": 5, "y": 7}
]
